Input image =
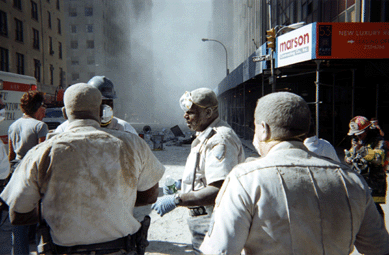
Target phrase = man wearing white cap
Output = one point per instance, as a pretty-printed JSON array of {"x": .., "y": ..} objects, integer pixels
[
  {"x": 88, "y": 180},
  {"x": 290, "y": 200},
  {"x": 215, "y": 151}
]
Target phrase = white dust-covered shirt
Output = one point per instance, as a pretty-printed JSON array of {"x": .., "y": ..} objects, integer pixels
[
  {"x": 321, "y": 147},
  {"x": 89, "y": 178},
  {"x": 220, "y": 150},
  {"x": 116, "y": 124},
  {"x": 293, "y": 202}
]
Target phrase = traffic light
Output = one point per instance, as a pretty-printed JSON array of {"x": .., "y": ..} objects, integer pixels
[{"x": 271, "y": 38}]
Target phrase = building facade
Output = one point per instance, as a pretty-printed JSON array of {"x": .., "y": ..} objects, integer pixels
[
  {"x": 336, "y": 88},
  {"x": 32, "y": 42},
  {"x": 100, "y": 42}
]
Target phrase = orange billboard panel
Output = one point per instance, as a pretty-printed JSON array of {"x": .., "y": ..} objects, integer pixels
[{"x": 352, "y": 40}]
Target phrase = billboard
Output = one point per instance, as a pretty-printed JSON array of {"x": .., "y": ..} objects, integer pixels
[
  {"x": 333, "y": 41},
  {"x": 296, "y": 46},
  {"x": 352, "y": 40}
]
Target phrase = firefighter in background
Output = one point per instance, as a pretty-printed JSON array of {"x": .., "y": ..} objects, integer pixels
[
  {"x": 106, "y": 88},
  {"x": 367, "y": 156}
]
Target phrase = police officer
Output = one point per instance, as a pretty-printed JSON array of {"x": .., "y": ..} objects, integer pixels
[
  {"x": 89, "y": 179},
  {"x": 108, "y": 92},
  {"x": 214, "y": 152},
  {"x": 290, "y": 200}
]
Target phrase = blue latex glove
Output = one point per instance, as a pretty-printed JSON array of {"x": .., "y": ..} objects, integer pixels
[{"x": 164, "y": 204}]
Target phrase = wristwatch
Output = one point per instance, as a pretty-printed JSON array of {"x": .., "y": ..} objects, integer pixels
[{"x": 177, "y": 199}]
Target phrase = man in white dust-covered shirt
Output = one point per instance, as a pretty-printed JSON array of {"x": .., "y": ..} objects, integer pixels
[
  {"x": 290, "y": 200},
  {"x": 88, "y": 180},
  {"x": 214, "y": 152}
]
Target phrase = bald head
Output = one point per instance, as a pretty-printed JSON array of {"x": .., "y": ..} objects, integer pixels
[
  {"x": 287, "y": 115},
  {"x": 82, "y": 101}
]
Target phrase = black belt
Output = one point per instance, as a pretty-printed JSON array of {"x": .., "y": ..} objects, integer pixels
[{"x": 98, "y": 248}]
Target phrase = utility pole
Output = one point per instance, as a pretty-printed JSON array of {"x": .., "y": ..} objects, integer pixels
[{"x": 271, "y": 37}]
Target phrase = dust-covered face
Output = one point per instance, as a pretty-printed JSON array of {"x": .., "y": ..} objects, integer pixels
[
  {"x": 257, "y": 143},
  {"x": 196, "y": 118}
]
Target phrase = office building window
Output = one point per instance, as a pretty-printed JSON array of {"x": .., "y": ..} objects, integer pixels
[
  {"x": 59, "y": 26},
  {"x": 60, "y": 50},
  {"x": 73, "y": 28},
  {"x": 74, "y": 44},
  {"x": 90, "y": 44},
  {"x": 61, "y": 77},
  {"x": 89, "y": 28},
  {"x": 90, "y": 60},
  {"x": 51, "y": 51},
  {"x": 51, "y": 74},
  {"x": 19, "y": 30},
  {"x": 4, "y": 60},
  {"x": 73, "y": 12},
  {"x": 20, "y": 63},
  {"x": 35, "y": 44},
  {"x": 75, "y": 76},
  {"x": 34, "y": 10},
  {"x": 3, "y": 23},
  {"x": 88, "y": 11},
  {"x": 37, "y": 70},
  {"x": 75, "y": 62},
  {"x": 18, "y": 4},
  {"x": 49, "y": 19}
]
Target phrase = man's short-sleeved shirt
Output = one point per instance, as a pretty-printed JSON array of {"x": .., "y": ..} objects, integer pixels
[
  {"x": 25, "y": 133},
  {"x": 116, "y": 124},
  {"x": 89, "y": 178},
  {"x": 321, "y": 147},
  {"x": 293, "y": 202},
  {"x": 219, "y": 150}
]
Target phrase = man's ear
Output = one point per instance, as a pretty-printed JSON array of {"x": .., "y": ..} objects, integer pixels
[
  {"x": 208, "y": 113},
  {"x": 266, "y": 132},
  {"x": 64, "y": 113}
]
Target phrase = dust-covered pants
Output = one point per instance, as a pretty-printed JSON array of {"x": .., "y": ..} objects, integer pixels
[{"x": 198, "y": 227}]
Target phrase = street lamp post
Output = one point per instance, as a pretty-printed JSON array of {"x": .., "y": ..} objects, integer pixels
[{"x": 205, "y": 40}]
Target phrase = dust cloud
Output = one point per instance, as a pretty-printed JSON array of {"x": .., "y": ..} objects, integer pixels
[{"x": 167, "y": 58}]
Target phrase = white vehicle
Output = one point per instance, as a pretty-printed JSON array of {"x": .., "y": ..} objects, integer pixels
[
  {"x": 53, "y": 117},
  {"x": 12, "y": 88}
]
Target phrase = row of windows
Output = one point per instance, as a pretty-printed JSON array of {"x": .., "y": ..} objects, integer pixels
[
  {"x": 90, "y": 44},
  {"x": 19, "y": 36},
  {"x": 36, "y": 44},
  {"x": 19, "y": 26},
  {"x": 88, "y": 12},
  {"x": 76, "y": 76},
  {"x": 18, "y": 5},
  {"x": 88, "y": 28},
  {"x": 20, "y": 66},
  {"x": 90, "y": 61}
]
